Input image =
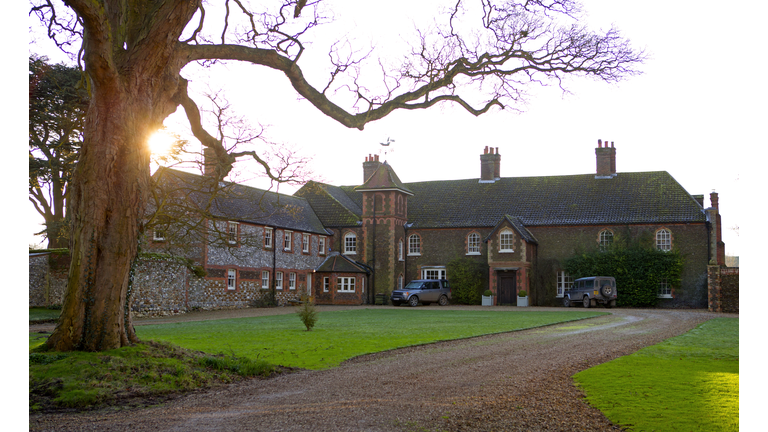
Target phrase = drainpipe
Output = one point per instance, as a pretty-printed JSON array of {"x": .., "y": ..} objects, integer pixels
[
  {"x": 405, "y": 254},
  {"x": 372, "y": 289},
  {"x": 274, "y": 266}
]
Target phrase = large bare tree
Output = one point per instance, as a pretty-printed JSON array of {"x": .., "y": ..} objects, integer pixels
[{"x": 134, "y": 53}]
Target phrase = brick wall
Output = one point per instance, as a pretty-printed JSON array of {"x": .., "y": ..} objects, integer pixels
[{"x": 723, "y": 289}]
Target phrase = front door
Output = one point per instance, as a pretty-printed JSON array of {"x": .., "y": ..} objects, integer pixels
[{"x": 507, "y": 288}]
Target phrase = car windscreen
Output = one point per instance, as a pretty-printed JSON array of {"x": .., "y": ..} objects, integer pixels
[{"x": 414, "y": 285}]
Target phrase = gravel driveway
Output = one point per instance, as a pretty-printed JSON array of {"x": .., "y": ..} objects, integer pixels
[{"x": 512, "y": 381}]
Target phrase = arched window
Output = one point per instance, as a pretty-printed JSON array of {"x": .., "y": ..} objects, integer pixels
[
  {"x": 664, "y": 239},
  {"x": 350, "y": 243},
  {"x": 414, "y": 245},
  {"x": 473, "y": 244},
  {"x": 506, "y": 241},
  {"x": 400, "y": 250},
  {"x": 605, "y": 239}
]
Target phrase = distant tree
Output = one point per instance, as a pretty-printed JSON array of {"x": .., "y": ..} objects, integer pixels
[
  {"x": 57, "y": 107},
  {"x": 134, "y": 52}
]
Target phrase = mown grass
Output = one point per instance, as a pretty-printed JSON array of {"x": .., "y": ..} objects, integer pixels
[
  {"x": 43, "y": 314},
  {"x": 126, "y": 376},
  {"x": 686, "y": 383},
  {"x": 341, "y": 335}
]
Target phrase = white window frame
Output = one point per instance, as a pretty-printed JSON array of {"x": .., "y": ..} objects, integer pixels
[
  {"x": 665, "y": 289},
  {"x": 264, "y": 279},
  {"x": 291, "y": 281},
  {"x": 433, "y": 272},
  {"x": 506, "y": 241},
  {"x": 414, "y": 245},
  {"x": 564, "y": 283},
  {"x": 305, "y": 242},
  {"x": 231, "y": 279},
  {"x": 321, "y": 245},
  {"x": 605, "y": 239},
  {"x": 400, "y": 250},
  {"x": 279, "y": 280},
  {"x": 345, "y": 284},
  {"x": 664, "y": 240},
  {"x": 473, "y": 244},
  {"x": 232, "y": 232},
  {"x": 326, "y": 284},
  {"x": 158, "y": 234},
  {"x": 350, "y": 243},
  {"x": 400, "y": 280},
  {"x": 268, "y": 237},
  {"x": 288, "y": 240}
]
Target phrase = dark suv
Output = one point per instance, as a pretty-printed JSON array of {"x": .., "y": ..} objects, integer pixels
[
  {"x": 591, "y": 291},
  {"x": 425, "y": 291}
]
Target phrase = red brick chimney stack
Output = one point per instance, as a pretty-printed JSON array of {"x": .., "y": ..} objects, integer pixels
[
  {"x": 606, "y": 160},
  {"x": 369, "y": 166},
  {"x": 490, "y": 165}
]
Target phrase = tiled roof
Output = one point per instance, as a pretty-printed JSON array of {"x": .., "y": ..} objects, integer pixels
[
  {"x": 333, "y": 204},
  {"x": 645, "y": 197},
  {"x": 236, "y": 202},
  {"x": 340, "y": 264},
  {"x": 383, "y": 178},
  {"x": 629, "y": 198},
  {"x": 517, "y": 225}
]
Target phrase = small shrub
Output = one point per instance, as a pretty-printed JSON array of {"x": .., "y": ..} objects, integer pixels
[
  {"x": 488, "y": 293},
  {"x": 307, "y": 312},
  {"x": 522, "y": 293}
]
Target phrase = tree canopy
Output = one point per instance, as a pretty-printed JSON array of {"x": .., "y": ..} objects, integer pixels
[{"x": 477, "y": 54}]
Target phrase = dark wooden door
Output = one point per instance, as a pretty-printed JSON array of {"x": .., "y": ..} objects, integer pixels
[{"x": 507, "y": 288}]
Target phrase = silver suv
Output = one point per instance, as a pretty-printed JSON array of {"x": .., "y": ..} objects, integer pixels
[
  {"x": 425, "y": 291},
  {"x": 591, "y": 291}
]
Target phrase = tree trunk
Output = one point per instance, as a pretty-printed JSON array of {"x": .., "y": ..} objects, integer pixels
[{"x": 106, "y": 203}]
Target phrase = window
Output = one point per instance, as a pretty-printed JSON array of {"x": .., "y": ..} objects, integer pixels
[
  {"x": 605, "y": 239},
  {"x": 665, "y": 290},
  {"x": 292, "y": 281},
  {"x": 231, "y": 279},
  {"x": 158, "y": 234},
  {"x": 232, "y": 232},
  {"x": 414, "y": 245},
  {"x": 268, "y": 237},
  {"x": 350, "y": 244},
  {"x": 265, "y": 279},
  {"x": 433, "y": 273},
  {"x": 279, "y": 280},
  {"x": 400, "y": 250},
  {"x": 326, "y": 284},
  {"x": 506, "y": 239},
  {"x": 305, "y": 243},
  {"x": 564, "y": 283},
  {"x": 400, "y": 280},
  {"x": 345, "y": 284},
  {"x": 287, "y": 242},
  {"x": 664, "y": 240},
  {"x": 473, "y": 244},
  {"x": 321, "y": 246}
]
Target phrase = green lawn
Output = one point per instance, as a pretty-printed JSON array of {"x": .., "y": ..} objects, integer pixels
[
  {"x": 341, "y": 335},
  {"x": 43, "y": 314},
  {"x": 686, "y": 383}
]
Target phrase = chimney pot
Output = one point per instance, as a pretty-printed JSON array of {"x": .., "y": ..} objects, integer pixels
[
  {"x": 486, "y": 150},
  {"x": 599, "y": 143}
]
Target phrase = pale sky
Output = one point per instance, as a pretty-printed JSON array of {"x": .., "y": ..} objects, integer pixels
[{"x": 688, "y": 114}]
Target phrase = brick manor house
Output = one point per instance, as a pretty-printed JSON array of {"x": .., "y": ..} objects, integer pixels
[{"x": 345, "y": 244}]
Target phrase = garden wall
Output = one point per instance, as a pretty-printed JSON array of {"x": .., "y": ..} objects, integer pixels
[{"x": 723, "y": 289}]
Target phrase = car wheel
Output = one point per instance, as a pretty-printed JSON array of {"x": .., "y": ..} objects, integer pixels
[
  {"x": 606, "y": 290},
  {"x": 413, "y": 301},
  {"x": 566, "y": 302},
  {"x": 395, "y": 303},
  {"x": 587, "y": 301},
  {"x": 442, "y": 301}
]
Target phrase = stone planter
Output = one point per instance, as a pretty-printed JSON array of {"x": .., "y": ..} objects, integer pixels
[
  {"x": 522, "y": 301},
  {"x": 487, "y": 300}
]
